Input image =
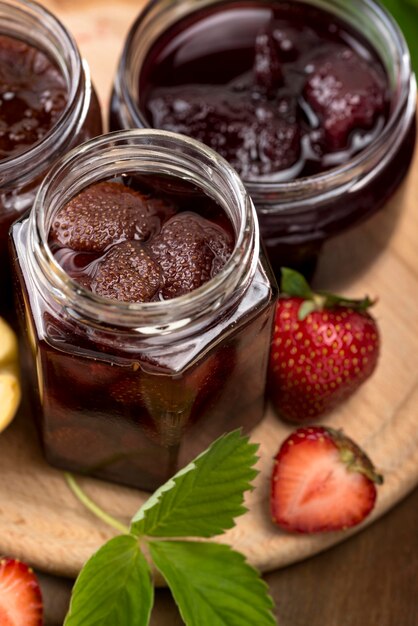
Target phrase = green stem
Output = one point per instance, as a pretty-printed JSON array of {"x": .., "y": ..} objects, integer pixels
[{"x": 92, "y": 506}]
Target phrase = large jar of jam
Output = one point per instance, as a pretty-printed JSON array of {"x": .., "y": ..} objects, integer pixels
[
  {"x": 47, "y": 105},
  {"x": 147, "y": 304},
  {"x": 312, "y": 102}
]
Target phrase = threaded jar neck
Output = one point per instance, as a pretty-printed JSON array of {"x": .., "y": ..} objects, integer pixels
[{"x": 143, "y": 152}]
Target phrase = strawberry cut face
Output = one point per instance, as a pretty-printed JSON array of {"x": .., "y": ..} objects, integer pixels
[
  {"x": 314, "y": 489},
  {"x": 20, "y": 595}
]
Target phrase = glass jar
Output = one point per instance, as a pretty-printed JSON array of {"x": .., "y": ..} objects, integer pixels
[
  {"x": 296, "y": 217},
  {"x": 130, "y": 392},
  {"x": 21, "y": 174}
]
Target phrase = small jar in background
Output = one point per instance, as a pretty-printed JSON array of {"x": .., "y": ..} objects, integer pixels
[
  {"x": 296, "y": 215},
  {"x": 131, "y": 391},
  {"x": 35, "y": 43}
]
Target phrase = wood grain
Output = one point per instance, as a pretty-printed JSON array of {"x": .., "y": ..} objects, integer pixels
[
  {"x": 369, "y": 580},
  {"x": 42, "y": 522}
]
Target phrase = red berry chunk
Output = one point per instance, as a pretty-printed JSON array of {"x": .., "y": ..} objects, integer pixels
[
  {"x": 127, "y": 273},
  {"x": 267, "y": 67},
  {"x": 321, "y": 481},
  {"x": 347, "y": 94},
  {"x": 104, "y": 214},
  {"x": 20, "y": 595},
  {"x": 189, "y": 250},
  {"x": 256, "y": 137},
  {"x": 286, "y": 40}
]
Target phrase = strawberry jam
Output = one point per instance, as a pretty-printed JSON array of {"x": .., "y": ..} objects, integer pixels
[
  {"x": 135, "y": 246},
  {"x": 302, "y": 98},
  {"x": 146, "y": 305},
  {"x": 33, "y": 95},
  {"x": 294, "y": 91},
  {"x": 47, "y": 106}
]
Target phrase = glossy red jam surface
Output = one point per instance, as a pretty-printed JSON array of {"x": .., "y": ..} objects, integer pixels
[
  {"x": 140, "y": 246},
  {"x": 33, "y": 95},
  {"x": 283, "y": 90}
]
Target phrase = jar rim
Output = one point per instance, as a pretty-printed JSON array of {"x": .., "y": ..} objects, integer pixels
[
  {"x": 335, "y": 177},
  {"x": 148, "y": 318},
  {"x": 32, "y": 159}
]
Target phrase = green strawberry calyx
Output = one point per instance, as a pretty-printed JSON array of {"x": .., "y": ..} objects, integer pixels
[
  {"x": 293, "y": 284},
  {"x": 353, "y": 456}
]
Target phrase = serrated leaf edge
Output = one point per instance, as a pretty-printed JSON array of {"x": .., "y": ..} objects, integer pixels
[
  {"x": 250, "y": 568},
  {"x": 155, "y": 498}
]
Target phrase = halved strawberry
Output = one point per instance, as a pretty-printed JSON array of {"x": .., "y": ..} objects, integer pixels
[
  {"x": 20, "y": 595},
  {"x": 321, "y": 481}
]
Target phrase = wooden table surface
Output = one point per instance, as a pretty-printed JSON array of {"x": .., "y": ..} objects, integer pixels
[{"x": 369, "y": 580}]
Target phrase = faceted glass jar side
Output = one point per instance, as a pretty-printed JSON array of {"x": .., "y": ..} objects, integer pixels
[
  {"x": 22, "y": 173},
  {"x": 131, "y": 392},
  {"x": 296, "y": 216}
]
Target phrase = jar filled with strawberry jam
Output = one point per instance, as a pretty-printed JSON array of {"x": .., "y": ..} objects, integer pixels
[
  {"x": 47, "y": 106},
  {"x": 312, "y": 102},
  {"x": 147, "y": 302}
]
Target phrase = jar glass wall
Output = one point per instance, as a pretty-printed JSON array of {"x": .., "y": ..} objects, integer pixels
[
  {"x": 296, "y": 216},
  {"x": 40, "y": 47},
  {"x": 131, "y": 391}
]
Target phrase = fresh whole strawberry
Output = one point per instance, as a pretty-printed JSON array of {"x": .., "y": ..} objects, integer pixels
[
  {"x": 324, "y": 347},
  {"x": 321, "y": 481},
  {"x": 20, "y": 595}
]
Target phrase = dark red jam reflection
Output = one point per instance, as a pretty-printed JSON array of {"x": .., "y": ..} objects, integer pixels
[
  {"x": 156, "y": 241},
  {"x": 33, "y": 95},
  {"x": 283, "y": 90}
]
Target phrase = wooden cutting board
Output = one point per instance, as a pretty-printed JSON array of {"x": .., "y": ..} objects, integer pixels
[{"x": 43, "y": 523}]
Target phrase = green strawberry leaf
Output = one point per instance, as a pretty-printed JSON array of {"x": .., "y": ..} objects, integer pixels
[
  {"x": 113, "y": 588},
  {"x": 203, "y": 498},
  {"x": 213, "y": 585},
  {"x": 307, "y": 307},
  {"x": 331, "y": 301},
  {"x": 295, "y": 285},
  {"x": 405, "y": 13}
]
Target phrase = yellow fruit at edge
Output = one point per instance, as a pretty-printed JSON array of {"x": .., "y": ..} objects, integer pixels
[
  {"x": 9, "y": 375},
  {"x": 8, "y": 344}
]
